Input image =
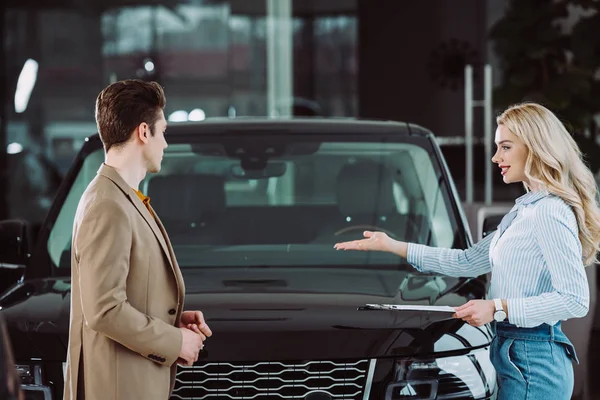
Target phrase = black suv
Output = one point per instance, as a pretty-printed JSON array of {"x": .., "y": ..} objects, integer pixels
[{"x": 253, "y": 208}]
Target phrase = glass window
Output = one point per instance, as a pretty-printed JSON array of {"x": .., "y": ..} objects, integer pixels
[
  {"x": 211, "y": 58},
  {"x": 288, "y": 211}
]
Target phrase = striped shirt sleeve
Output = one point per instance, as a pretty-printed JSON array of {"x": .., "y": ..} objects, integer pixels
[
  {"x": 471, "y": 262},
  {"x": 555, "y": 232}
]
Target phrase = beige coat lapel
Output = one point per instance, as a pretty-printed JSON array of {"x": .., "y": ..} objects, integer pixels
[
  {"x": 176, "y": 270},
  {"x": 114, "y": 176}
]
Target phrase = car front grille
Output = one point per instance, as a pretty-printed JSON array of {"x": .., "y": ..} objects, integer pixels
[{"x": 271, "y": 380}]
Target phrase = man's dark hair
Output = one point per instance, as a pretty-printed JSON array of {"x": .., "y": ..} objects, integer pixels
[{"x": 122, "y": 106}]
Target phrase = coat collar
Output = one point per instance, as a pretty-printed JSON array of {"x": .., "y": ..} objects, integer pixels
[
  {"x": 155, "y": 224},
  {"x": 112, "y": 174}
]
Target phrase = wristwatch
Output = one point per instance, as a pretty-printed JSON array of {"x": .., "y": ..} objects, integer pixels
[{"x": 499, "y": 314}]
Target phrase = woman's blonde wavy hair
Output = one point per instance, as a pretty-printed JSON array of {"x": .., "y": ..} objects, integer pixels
[{"x": 555, "y": 164}]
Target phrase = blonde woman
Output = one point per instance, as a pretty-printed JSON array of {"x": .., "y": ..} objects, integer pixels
[{"x": 536, "y": 257}]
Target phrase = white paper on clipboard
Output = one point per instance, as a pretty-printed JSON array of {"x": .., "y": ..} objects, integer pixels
[{"x": 405, "y": 307}]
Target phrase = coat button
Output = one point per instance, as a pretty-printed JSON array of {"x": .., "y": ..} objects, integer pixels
[{"x": 172, "y": 311}]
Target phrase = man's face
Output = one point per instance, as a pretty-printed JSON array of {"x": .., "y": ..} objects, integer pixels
[
  {"x": 511, "y": 155},
  {"x": 154, "y": 149}
]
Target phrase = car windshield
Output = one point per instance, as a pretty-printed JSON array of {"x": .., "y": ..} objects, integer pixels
[{"x": 285, "y": 203}]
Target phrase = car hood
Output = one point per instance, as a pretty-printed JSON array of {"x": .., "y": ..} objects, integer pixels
[{"x": 251, "y": 326}]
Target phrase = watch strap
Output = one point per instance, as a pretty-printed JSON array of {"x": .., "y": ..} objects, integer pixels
[{"x": 498, "y": 304}]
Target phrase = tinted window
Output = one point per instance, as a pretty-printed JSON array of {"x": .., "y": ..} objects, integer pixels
[{"x": 288, "y": 212}]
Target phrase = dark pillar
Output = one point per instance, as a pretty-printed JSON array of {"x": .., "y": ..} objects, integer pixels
[
  {"x": 406, "y": 51},
  {"x": 394, "y": 42},
  {"x": 3, "y": 115},
  {"x": 411, "y": 68}
]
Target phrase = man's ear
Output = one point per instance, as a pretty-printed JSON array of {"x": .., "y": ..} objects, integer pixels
[{"x": 142, "y": 132}]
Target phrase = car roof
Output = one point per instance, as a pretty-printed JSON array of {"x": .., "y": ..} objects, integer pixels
[{"x": 300, "y": 125}]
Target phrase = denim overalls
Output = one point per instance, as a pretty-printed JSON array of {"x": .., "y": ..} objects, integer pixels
[{"x": 532, "y": 363}]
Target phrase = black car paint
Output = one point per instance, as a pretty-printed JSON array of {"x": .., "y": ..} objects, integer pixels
[{"x": 37, "y": 309}]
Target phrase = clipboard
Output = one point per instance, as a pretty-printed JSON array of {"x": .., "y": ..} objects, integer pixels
[{"x": 407, "y": 307}]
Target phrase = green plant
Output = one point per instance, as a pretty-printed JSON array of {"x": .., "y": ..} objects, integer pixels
[{"x": 541, "y": 63}]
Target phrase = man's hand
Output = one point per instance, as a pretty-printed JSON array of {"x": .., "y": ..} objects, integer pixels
[
  {"x": 476, "y": 312},
  {"x": 194, "y": 320},
  {"x": 191, "y": 345}
]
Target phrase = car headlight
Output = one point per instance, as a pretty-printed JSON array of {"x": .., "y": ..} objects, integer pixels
[
  {"x": 470, "y": 376},
  {"x": 32, "y": 383}
]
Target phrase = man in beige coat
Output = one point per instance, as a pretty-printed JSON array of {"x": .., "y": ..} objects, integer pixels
[{"x": 128, "y": 330}]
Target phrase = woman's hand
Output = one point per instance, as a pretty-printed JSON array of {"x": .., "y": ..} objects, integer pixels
[
  {"x": 476, "y": 312},
  {"x": 375, "y": 241}
]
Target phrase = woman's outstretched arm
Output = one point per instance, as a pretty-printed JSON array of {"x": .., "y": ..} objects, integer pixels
[{"x": 473, "y": 261}]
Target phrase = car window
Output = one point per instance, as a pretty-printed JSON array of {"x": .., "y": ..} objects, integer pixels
[
  {"x": 59, "y": 241},
  {"x": 289, "y": 211}
]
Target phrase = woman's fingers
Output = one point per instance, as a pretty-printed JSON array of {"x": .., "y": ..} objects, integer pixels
[
  {"x": 372, "y": 241},
  {"x": 352, "y": 245}
]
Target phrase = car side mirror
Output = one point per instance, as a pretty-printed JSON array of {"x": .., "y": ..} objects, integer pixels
[
  {"x": 14, "y": 251},
  {"x": 490, "y": 224},
  {"x": 489, "y": 217}
]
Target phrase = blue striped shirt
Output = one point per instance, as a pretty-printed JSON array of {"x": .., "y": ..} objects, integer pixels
[{"x": 536, "y": 264}]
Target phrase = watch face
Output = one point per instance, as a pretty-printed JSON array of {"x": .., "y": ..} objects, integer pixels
[{"x": 500, "y": 315}]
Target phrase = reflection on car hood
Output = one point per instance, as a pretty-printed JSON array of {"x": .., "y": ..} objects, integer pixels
[
  {"x": 396, "y": 283},
  {"x": 261, "y": 326}
]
